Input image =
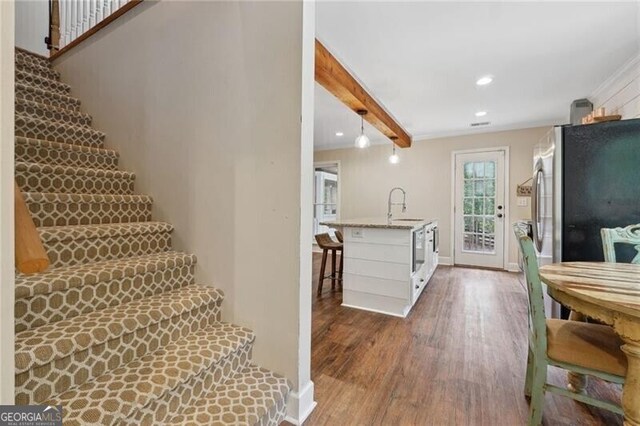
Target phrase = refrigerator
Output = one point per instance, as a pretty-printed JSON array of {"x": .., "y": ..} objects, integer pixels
[{"x": 585, "y": 177}]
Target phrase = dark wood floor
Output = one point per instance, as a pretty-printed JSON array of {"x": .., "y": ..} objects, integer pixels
[{"x": 458, "y": 359}]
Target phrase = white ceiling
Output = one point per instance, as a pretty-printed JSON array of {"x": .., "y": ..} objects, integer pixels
[{"x": 421, "y": 61}]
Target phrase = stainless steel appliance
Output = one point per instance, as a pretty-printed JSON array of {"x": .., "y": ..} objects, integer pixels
[
  {"x": 419, "y": 244},
  {"x": 585, "y": 178}
]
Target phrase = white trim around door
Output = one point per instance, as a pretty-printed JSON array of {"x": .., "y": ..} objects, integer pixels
[{"x": 507, "y": 202}]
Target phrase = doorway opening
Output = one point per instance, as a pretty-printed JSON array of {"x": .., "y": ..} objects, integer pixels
[{"x": 326, "y": 196}]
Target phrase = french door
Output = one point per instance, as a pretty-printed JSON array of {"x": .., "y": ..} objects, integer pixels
[{"x": 479, "y": 209}]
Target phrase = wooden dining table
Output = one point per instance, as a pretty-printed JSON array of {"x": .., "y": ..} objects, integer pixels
[{"x": 610, "y": 293}]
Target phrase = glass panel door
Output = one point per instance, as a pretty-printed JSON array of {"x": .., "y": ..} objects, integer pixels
[{"x": 479, "y": 209}]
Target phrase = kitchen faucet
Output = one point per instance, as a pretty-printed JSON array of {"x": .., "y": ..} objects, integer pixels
[{"x": 404, "y": 204}]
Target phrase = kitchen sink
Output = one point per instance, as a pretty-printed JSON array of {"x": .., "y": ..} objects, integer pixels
[{"x": 408, "y": 220}]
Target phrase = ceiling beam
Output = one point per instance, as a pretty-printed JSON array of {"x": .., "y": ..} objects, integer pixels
[{"x": 331, "y": 75}]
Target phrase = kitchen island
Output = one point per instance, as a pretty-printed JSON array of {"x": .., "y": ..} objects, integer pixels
[{"x": 387, "y": 264}]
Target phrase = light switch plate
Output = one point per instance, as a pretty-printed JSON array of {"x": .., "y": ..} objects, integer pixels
[
  {"x": 523, "y": 201},
  {"x": 357, "y": 233}
]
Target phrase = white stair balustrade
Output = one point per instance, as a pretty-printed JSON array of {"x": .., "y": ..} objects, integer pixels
[{"x": 79, "y": 16}]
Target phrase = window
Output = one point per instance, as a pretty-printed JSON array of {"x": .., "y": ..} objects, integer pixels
[{"x": 479, "y": 206}]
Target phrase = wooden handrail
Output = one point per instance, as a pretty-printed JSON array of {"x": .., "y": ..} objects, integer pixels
[
  {"x": 31, "y": 256},
  {"x": 97, "y": 27}
]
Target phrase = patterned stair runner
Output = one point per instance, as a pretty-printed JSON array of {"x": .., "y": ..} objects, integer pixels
[{"x": 117, "y": 330}]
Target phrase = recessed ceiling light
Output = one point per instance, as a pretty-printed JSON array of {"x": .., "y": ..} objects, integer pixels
[
  {"x": 339, "y": 134},
  {"x": 483, "y": 81},
  {"x": 481, "y": 113}
]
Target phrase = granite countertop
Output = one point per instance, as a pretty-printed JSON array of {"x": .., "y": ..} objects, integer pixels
[{"x": 378, "y": 222}]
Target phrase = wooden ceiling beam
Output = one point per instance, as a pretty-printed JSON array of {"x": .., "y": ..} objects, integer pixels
[{"x": 331, "y": 75}]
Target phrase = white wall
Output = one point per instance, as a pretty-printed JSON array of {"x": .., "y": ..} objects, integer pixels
[
  {"x": 7, "y": 261},
  {"x": 425, "y": 173},
  {"x": 204, "y": 102},
  {"x": 32, "y": 25},
  {"x": 620, "y": 93}
]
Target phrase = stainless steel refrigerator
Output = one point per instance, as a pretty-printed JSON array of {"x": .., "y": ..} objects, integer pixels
[{"x": 585, "y": 178}]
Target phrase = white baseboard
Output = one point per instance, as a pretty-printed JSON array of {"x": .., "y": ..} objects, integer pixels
[
  {"x": 444, "y": 260},
  {"x": 513, "y": 267},
  {"x": 300, "y": 405}
]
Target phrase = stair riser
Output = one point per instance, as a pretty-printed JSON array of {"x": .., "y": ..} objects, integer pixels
[
  {"x": 51, "y": 131},
  {"x": 31, "y": 59},
  {"x": 47, "y": 98},
  {"x": 80, "y": 251},
  {"x": 60, "y": 305},
  {"x": 31, "y": 181},
  {"x": 276, "y": 414},
  {"x": 161, "y": 409},
  {"x": 34, "y": 69},
  {"x": 50, "y": 154},
  {"x": 87, "y": 213},
  {"x": 41, "y": 383},
  {"x": 45, "y": 112},
  {"x": 41, "y": 82}
]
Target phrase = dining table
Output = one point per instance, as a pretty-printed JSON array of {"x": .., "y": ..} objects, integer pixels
[{"x": 609, "y": 293}]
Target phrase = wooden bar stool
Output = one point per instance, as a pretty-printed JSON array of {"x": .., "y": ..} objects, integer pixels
[
  {"x": 340, "y": 239},
  {"x": 326, "y": 243}
]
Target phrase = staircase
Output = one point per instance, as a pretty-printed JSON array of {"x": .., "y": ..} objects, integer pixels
[{"x": 116, "y": 331}]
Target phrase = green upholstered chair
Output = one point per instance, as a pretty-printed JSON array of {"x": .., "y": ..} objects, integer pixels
[
  {"x": 584, "y": 348},
  {"x": 611, "y": 236}
]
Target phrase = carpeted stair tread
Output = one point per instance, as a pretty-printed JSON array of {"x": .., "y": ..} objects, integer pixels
[
  {"x": 60, "y": 279},
  {"x": 45, "y": 344},
  {"x": 35, "y": 94},
  {"x": 55, "y": 209},
  {"x": 49, "y": 73},
  {"x": 22, "y": 55},
  {"x": 38, "y": 177},
  {"x": 78, "y": 244},
  {"x": 141, "y": 327},
  {"x": 67, "y": 233},
  {"x": 114, "y": 396},
  {"x": 62, "y": 293},
  {"x": 253, "y": 396},
  {"x": 51, "y": 113},
  {"x": 69, "y": 170},
  {"x": 29, "y": 150},
  {"x": 25, "y": 77},
  {"x": 36, "y": 128}
]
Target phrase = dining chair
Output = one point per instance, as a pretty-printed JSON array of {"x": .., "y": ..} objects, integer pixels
[
  {"x": 579, "y": 347},
  {"x": 611, "y": 236}
]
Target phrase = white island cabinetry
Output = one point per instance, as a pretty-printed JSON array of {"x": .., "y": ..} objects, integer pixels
[{"x": 387, "y": 265}]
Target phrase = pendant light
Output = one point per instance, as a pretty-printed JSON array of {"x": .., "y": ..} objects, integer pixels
[
  {"x": 362, "y": 141},
  {"x": 394, "y": 158}
]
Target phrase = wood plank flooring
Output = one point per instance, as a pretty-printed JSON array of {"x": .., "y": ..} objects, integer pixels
[{"x": 458, "y": 359}]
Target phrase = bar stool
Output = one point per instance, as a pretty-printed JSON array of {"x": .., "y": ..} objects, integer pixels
[
  {"x": 341, "y": 241},
  {"x": 326, "y": 243}
]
